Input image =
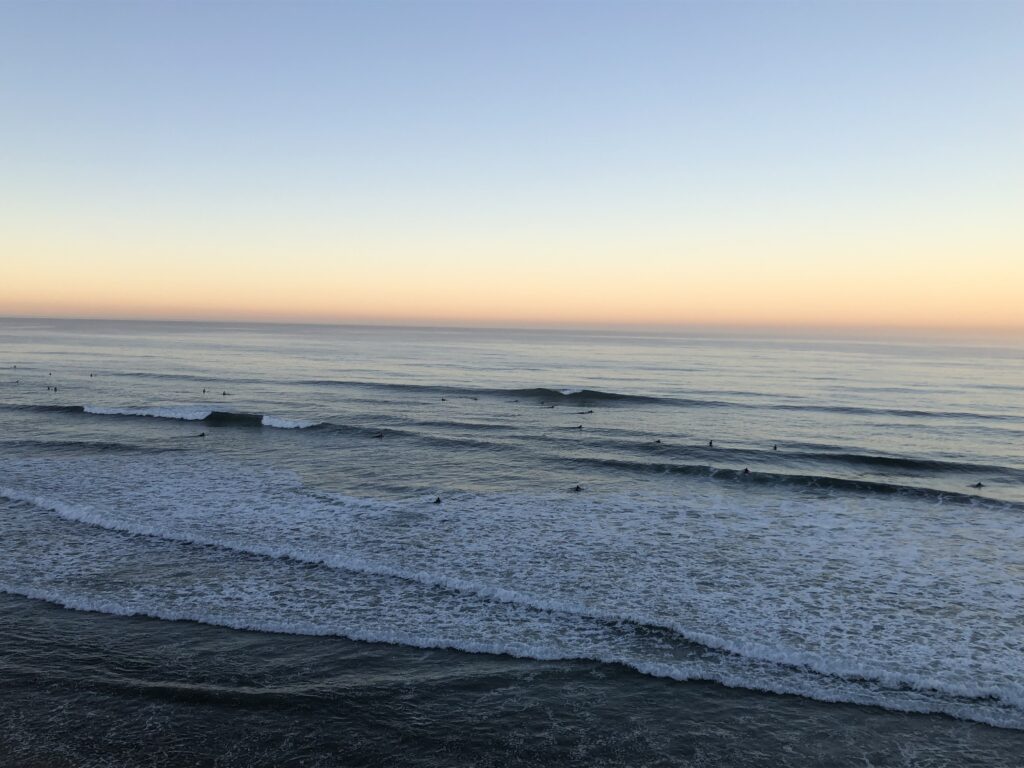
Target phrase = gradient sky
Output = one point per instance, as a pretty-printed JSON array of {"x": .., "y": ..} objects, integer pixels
[{"x": 720, "y": 163}]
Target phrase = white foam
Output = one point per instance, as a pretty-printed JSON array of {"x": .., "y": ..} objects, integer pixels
[
  {"x": 184, "y": 412},
  {"x": 282, "y": 423},
  {"x": 785, "y": 597}
]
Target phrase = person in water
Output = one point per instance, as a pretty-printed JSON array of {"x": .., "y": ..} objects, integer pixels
[
  {"x": 437, "y": 500},
  {"x": 577, "y": 489},
  {"x": 746, "y": 470}
]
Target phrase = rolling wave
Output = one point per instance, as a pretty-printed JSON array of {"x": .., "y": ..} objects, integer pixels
[
  {"x": 901, "y": 464},
  {"x": 823, "y": 482},
  {"x": 197, "y": 413},
  {"x": 1010, "y": 696},
  {"x": 567, "y": 395},
  {"x": 907, "y": 465},
  {"x": 576, "y": 396}
]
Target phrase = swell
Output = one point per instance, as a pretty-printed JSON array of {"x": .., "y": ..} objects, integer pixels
[
  {"x": 810, "y": 481},
  {"x": 200, "y": 414},
  {"x": 87, "y": 445},
  {"x": 1012, "y": 696},
  {"x": 531, "y": 393},
  {"x": 582, "y": 396},
  {"x": 839, "y": 457},
  {"x": 585, "y": 397},
  {"x": 187, "y": 377},
  {"x": 214, "y": 418},
  {"x": 805, "y": 481}
]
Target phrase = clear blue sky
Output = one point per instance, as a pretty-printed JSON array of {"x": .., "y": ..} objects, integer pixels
[{"x": 416, "y": 138}]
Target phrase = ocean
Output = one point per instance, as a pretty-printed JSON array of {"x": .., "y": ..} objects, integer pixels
[{"x": 280, "y": 545}]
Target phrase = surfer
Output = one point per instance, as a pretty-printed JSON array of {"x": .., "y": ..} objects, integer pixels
[
  {"x": 577, "y": 489},
  {"x": 775, "y": 447},
  {"x": 978, "y": 485},
  {"x": 201, "y": 434},
  {"x": 711, "y": 443},
  {"x": 746, "y": 470},
  {"x": 437, "y": 500},
  {"x": 658, "y": 442},
  {"x": 580, "y": 427}
]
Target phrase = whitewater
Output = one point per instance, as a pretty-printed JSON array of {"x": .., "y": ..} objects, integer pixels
[{"x": 833, "y": 529}]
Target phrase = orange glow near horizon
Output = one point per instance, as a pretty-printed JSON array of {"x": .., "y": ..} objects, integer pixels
[
  {"x": 856, "y": 287},
  {"x": 654, "y": 164}
]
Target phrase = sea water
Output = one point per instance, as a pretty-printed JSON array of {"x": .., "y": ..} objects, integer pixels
[{"x": 356, "y": 545}]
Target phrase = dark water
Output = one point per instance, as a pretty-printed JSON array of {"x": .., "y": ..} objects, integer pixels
[{"x": 284, "y": 591}]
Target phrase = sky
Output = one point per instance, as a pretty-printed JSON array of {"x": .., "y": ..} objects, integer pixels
[{"x": 752, "y": 164}]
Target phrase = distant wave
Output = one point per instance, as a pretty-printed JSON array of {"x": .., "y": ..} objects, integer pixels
[
  {"x": 198, "y": 413},
  {"x": 184, "y": 413},
  {"x": 856, "y": 409},
  {"x": 577, "y": 396},
  {"x": 566, "y": 395},
  {"x": 186, "y": 377},
  {"x": 573, "y": 396},
  {"x": 805, "y": 481},
  {"x": 205, "y": 415},
  {"x": 909, "y": 465},
  {"x": 903, "y": 464}
]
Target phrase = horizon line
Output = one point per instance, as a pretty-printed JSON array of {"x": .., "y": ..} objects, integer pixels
[{"x": 542, "y": 325}]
